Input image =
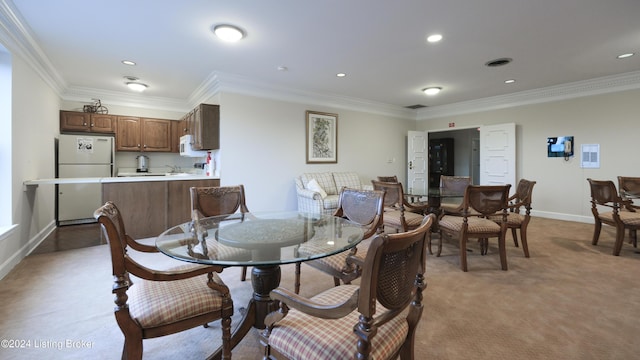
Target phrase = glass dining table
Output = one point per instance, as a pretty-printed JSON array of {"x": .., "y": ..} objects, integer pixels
[{"x": 263, "y": 241}]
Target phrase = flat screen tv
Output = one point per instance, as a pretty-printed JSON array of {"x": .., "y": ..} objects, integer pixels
[{"x": 560, "y": 146}]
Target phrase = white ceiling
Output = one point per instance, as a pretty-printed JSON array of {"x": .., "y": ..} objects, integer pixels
[{"x": 380, "y": 45}]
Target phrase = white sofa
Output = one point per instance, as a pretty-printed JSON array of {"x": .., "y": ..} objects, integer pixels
[{"x": 312, "y": 200}]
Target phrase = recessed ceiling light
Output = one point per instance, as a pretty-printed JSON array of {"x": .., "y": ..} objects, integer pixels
[
  {"x": 510, "y": 81},
  {"x": 622, "y": 56},
  {"x": 431, "y": 90},
  {"x": 434, "y": 38},
  {"x": 129, "y": 62},
  {"x": 228, "y": 33},
  {"x": 136, "y": 86},
  {"x": 341, "y": 74},
  {"x": 282, "y": 68}
]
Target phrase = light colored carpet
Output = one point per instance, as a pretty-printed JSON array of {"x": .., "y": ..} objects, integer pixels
[{"x": 570, "y": 300}]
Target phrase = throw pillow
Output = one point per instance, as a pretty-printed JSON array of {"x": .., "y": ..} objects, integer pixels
[{"x": 313, "y": 185}]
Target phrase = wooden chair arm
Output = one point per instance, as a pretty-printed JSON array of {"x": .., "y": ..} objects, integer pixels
[
  {"x": 139, "y": 246},
  {"x": 146, "y": 273},
  {"x": 308, "y": 306}
]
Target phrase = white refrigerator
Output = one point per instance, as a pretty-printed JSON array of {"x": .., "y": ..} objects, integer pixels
[{"x": 82, "y": 156}]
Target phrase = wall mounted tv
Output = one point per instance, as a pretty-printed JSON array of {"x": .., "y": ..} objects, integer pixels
[{"x": 560, "y": 146}]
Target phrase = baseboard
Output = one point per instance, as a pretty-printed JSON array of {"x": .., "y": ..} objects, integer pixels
[
  {"x": 24, "y": 250},
  {"x": 561, "y": 216}
]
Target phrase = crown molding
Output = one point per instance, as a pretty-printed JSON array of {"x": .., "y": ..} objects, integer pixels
[
  {"x": 596, "y": 86},
  {"x": 225, "y": 82},
  {"x": 16, "y": 37},
  {"x": 121, "y": 98}
]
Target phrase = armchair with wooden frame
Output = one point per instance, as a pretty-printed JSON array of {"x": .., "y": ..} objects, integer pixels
[
  {"x": 161, "y": 302},
  {"x": 629, "y": 188},
  {"x": 471, "y": 220},
  {"x": 452, "y": 185},
  {"x": 607, "y": 206},
  {"x": 376, "y": 319},
  {"x": 398, "y": 213},
  {"x": 220, "y": 200},
  {"x": 520, "y": 201},
  {"x": 362, "y": 207}
]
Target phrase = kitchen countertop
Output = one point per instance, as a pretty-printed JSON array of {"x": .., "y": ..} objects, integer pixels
[{"x": 121, "y": 179}]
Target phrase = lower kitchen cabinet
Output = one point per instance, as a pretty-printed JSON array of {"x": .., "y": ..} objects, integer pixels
[{"x": 150, "y": 207}]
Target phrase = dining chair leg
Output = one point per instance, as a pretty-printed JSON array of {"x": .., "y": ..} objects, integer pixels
[
  {"x": 617, "y": 247},
  {"x": 523, "y": 238},
  {"x": 515, "y": 236},
  {"x": 243, "y": 277},
  {"x": 596, "y": 232},
  {"x": 296, "y": 283},
  {"x": 503, "y": 251},
  {"x": 463, "y": 253}
]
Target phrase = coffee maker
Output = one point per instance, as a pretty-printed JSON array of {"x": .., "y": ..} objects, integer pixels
[{"x": 143, "y": 164}]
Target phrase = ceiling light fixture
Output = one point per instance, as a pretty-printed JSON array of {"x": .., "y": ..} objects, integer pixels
[
  {"x": 510, "y": 81},
  {"x": 129, "y": 62},
  {"x": 136, "y": 86},
  {"x": 434, "y": 38},
  {"x": 622, "y": 56},
  {"x": 341, "y": 75},
  {"x": 228, "y": 33},
  {"x": 431, "y": 90}
]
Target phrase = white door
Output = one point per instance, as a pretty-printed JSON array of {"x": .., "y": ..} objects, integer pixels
[
  {"x": 417, "y": 157},
  {"x": 498, "y": 155}
]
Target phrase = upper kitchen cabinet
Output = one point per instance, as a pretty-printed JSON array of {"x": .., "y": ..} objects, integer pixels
[
  {"x": 74, "y": 121},
  {"x": 203, "y": 123},
  {"x": 143, "y": 134}
]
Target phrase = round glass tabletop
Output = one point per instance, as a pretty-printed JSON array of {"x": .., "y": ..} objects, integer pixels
[{"x": 254, "y": 239}]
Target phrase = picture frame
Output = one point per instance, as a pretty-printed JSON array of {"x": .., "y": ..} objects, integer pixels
[{"x": 321, "y": 137}]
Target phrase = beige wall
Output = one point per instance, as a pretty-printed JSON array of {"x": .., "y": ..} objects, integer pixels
[
  {"x": 562, "y": 191},
  {"x": 263, "y": 147}
]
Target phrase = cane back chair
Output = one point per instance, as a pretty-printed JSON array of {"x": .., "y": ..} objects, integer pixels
[
  {"x": 398, "y": 213},
  {"x": 374, "y": 320},
  {"x": 363, "y": 207},
  {"x": 471, "y": 220}
]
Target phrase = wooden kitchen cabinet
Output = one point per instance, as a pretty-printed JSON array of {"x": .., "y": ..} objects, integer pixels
[
  {"x": 150, "y": 207},
  {"x": 203, "y": 123},
  {"x": 143, "y": 206},
  {"x": 74, "y": 121},
  {"x": 143, "y": 134}
]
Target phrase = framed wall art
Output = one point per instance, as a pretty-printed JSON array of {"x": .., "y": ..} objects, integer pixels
[{"x": 322, "y": 138}]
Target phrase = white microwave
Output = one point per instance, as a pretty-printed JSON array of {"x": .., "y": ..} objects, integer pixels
[{"x": 186, "y": 148}]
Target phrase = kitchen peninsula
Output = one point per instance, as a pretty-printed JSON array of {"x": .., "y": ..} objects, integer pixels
[{"x": 150, "y": 204}]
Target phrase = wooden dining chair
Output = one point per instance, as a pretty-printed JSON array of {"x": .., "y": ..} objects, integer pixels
[
  {"x": 388, "y": 178},
  {"x": 376, "y": 319},
  {"x": 362, "y": 207},
  {"x": 519, "y": 213},
  {"x": 472, "y": 220},
  {"x": 220, "y": 200},
  {"x": 161, "y": 302},
  {"x": 607, "y": 207},
  {"x": 398, "y": 213},
  {"x": 452, "y": 185},
  {"x": 629, "y": 188}
]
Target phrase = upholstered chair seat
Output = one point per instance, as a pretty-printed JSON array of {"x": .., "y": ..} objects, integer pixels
[
  {"x": 299, "y": 336},
  {"x": 158, "y": 303}
]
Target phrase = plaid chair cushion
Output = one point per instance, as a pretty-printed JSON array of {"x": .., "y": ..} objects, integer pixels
[
  {"x": 476, "y": 225},
  {"x": 627, "y": 217},
  {"x": 513, "y": 219},
  {"x": 300, "y": 336},
  {"x": 325, "y": 180},
  {"x": 154, "y": 303},
  {"x": 392, "y": 218},
  {"x": 348, "y": 179}
]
